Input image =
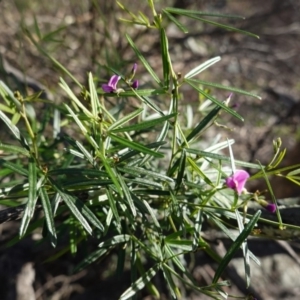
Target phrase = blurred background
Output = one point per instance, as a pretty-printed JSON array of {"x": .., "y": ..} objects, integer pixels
[{"x": 86, "y": 36}]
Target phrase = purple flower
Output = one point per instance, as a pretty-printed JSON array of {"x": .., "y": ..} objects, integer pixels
[
  {"x": 112, "y": 84},
  {"x": 134, "y": 68},
  {"x": 237, "y": 180},
  {"x": 135, "y": 84},
  {"x": 271, "y": 207}
]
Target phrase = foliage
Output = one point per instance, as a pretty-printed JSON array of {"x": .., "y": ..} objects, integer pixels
[{"x": 139, "y": 180}]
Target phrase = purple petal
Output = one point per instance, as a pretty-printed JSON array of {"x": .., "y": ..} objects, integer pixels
[
  {"x": 271, "y": 207},
  {"x": 113, "y": 81},
  {"x": 135, "y": 84},
  {"x": 107, "y": 88},
  {"x": 134, "y": 68},
  {"x": 237, "y": 181}
]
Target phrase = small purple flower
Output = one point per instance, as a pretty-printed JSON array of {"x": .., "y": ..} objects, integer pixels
[
  {"x": 271, "y": 207},
  {"x": 112, "y": 84},
  {"x": 135, "y": 84},
  {"x": 134, "y": 68},
  {"x": 237, "y": 180}
]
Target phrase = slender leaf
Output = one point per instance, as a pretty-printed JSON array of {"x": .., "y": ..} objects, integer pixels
[
  {"x": 124, "y": 120},
  {"x": 236, "y": 245},
  {"x": 14, "y": 149},
  {"x": 140, "y": 283},
  {"x": 203, "y": 123},
  {"x": 76, "y": 119},
  {"x": 195, "y": 15},
  {"x": 181, "y": 170},
  {"x": 127, "y": 194},
  {"x": 143, "y": 60},
  {"x": 145, "y": 124},
  {"x": 221, "y": 104},
  {"x": 111, "y": 173},
  {"x": 227, "y": 88},
  {"x": 14, "y": 167},
  {"x": 32, "y": 196},
  {"x": 166, "y": 61},
  {"x": 180, "y": 11},
  {"x": 95, "y": 104},
  {"x": 202, "y": 67},
  {"x": 140, "y": 171},
  {"x": 91, "y": 258},
  {"x": 175, "y": 21},
  {"x": 245, "y": 249},
  {"x": 10, "y": 125},
  {"x": 135, "y": 146},
  {"x": 222, "y": 157},
  {"x": 71, "y": 203},
  {"x": 48, "y": 215},
  {"x": 197, "y": 229},
  {"x": 117, "y": 239}
]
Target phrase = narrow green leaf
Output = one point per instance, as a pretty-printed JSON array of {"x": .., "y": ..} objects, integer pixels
[
  {"x": 89, "y": 215},
  {"x": 179, "y": 244},
  {"x": 117, "y": 239},
  {"x": 14, "y": 149},
  {"x": 196, "y": 169},
  {"x": 194, "y": 15},
  {"x": 141, "y": 171},
  {"x": 152, "y": 214},
  {"x": 76, "y": 119},
  {"x": 197, "y": 229},
  {"x": 70, "y": 202},
  {"x": 227, "y": 88},
  {"x": 112, "y": 204},
  {"x": 124, "y": 120},
  {"x": 14, "y": 167},
  {"x": 291, "y": 174},
  {"x": 231, "y": 235},
  {"x": 111, "y": 173},
  {"x": 175, "y": 21},
  {"x": 140, "y": 283},
  {"x": 145, "y": 124},
  {"x": 135, "y": 146},
  {"x": 203, "y": 123},
  {"x": 171, "y": 284},
  {"x": 131, "y": 93},
  {"x": 85, "y": 152},
  {"x": 130, "y": 153},
  {"x": 46, "y": 53},
  {"x": 33, "y": 190},
  {"x": 245, "y": 249},
  {"x": 222, "y": 157},
  {"x": 84, "y": 172},
  {"x": 160, "y": 139},
  {"x": 37, "y": 29},
  {"x": 180, "y": 11},
  {"x": 91, "y": 258},
  {"x": 236, "y": 245},
  {"x": 149, "y": 103},
  {"x": 48, "y": 215},
  {"x": 15, "y": 131},
  {"x": 95, "y": 104},
  {"x": 221, "y": 104},
  {"x": 166, "y": 61},
  {"x": 72, "y": 96},
  {"x": 143, "y": 60},
  {"x": 202, "y": 67},
  {"x": 127, "y": 194},
  {"x": 181, "y": 170}
]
